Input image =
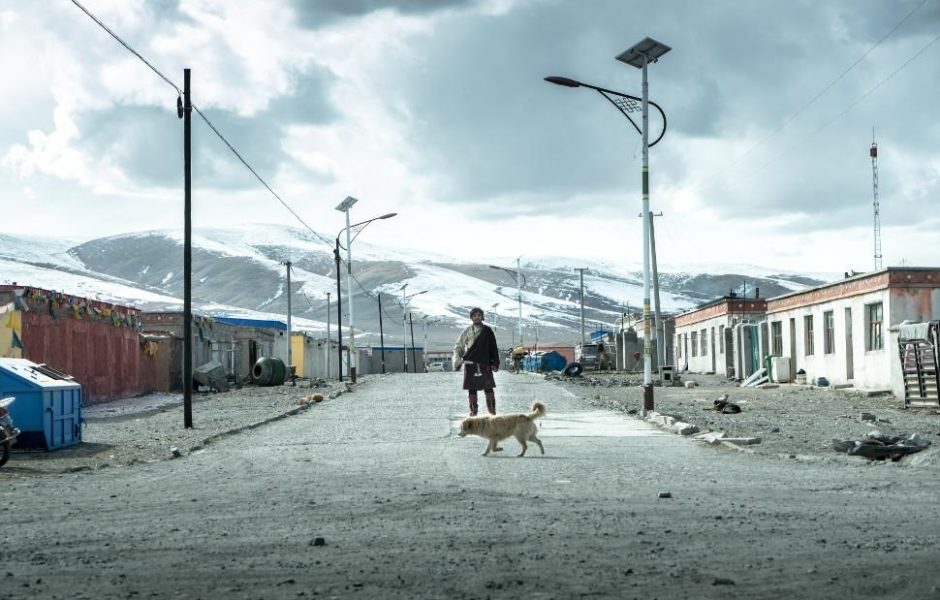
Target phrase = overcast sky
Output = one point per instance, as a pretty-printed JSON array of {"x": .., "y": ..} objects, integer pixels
[{"x": 437, "y": 110}]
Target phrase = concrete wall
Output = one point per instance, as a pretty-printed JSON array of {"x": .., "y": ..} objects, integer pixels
[{"x": 394, "y": 360}]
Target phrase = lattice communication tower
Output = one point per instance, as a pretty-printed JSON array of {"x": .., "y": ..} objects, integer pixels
[{"x": 874, "y": 182}]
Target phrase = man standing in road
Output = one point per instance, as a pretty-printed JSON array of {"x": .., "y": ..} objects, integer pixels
[{"x": 476, "y": 350}]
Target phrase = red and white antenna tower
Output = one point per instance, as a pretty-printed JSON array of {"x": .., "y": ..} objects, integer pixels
[{"x": 874, "y": 183}]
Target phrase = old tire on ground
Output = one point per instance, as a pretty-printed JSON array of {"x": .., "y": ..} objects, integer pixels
[
  {"x": 5, "y": 452},
  {"x": 269, "y": 370},
  {"x": 574, "y": 370}
]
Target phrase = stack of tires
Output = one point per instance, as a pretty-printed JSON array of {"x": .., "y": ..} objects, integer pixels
[{"x": 269, "y": 370}]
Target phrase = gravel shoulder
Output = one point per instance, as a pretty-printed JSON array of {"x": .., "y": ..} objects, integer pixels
[
  {"x": 151, "y": 428},
  {"x": 790, "y": 421}
]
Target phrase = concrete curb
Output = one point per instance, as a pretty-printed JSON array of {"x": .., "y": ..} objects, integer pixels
[
  {"x": 670, "y": 423},
  {"x": 294, "y": 411}
]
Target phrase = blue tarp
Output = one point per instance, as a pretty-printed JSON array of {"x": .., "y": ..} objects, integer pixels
[{"x": 278, "y": 325}]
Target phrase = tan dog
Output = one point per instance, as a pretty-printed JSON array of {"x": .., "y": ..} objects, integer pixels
[{"x": 498, "y": 428}]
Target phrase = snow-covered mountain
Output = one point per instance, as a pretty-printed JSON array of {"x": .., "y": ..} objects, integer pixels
[{"x": 242, "y": 271}]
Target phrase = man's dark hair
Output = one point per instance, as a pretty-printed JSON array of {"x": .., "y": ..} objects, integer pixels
[{"x": 476, "y": 310}]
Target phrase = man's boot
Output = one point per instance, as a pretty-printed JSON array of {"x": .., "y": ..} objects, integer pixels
[
  {"x": 474, "y": 403},
  {"x": 490, "y": 401}
]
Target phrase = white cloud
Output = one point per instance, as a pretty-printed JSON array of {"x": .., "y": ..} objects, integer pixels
[{"x": 442, "y": 116}]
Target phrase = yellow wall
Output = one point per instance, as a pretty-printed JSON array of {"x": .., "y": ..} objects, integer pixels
[
  {"x": 10, "y": 321},
  {"x": 297, "y": 353}
]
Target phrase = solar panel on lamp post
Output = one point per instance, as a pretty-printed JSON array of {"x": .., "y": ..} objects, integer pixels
[
  {"x": 639, "y": 55},
  {"x": 350, "y": 350}
]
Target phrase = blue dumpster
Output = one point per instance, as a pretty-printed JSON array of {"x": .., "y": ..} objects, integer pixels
[
  {"x": 531, "y": 361},
  {"x": 544, "y": 361},
  {"x": 48, "y": 407}
]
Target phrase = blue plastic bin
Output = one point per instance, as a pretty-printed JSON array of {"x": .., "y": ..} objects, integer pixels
[{"x": 48, "y": 406}]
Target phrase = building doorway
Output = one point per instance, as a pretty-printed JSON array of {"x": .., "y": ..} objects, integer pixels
[{"x": 849, "y": 362}]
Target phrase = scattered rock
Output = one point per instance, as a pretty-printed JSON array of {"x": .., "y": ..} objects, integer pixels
[
  {"x": 866, "y": 416},
  {"x": 318, "y": 541},
  {"x": 175, "y": 452},
  {"x": 723, "y": 581},
  {"x": 664, "y": 495}
]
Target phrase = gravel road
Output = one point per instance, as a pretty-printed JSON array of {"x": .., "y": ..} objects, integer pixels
[
  {"x": 793, "y": 422},
  {"x": 372, "y": 495}
]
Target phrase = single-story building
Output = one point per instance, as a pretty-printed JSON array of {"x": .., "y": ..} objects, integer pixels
[
  {"x": 704, "y": 340},
  {"x": 315, "y": 357},
  {"x": 843, "y": 330},
  {"x": 395, "y": 359},
  {"x": 236, "y": 342}
]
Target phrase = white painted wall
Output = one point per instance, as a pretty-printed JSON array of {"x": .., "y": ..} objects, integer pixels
[
  {"x": 715, "y": 357},
  {"x": 871, "y": 369}
]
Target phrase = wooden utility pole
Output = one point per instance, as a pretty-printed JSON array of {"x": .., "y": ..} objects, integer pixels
[
  {"x": 187, "y": 256},
  {"x": 290, "y": 362}
]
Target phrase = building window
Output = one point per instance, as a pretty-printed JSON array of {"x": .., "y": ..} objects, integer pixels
[
  {"x": 721, "y": 339},
  {"x": 875, "y": 339},
  {"x": 704, "y": 342},
  {"x": 829, "y": 341},
  {"x": 694, "y": 343},
  {"x": 808, "y": 335},
  {"x": 776, "y": 335}
]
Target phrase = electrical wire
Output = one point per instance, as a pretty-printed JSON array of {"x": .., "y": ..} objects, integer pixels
[
  {"x": 809, "y": 103},
  {"x": 127, "y": 46},
  {"x": 840, "y": 115},
  {"x": 204, "y": 118}
]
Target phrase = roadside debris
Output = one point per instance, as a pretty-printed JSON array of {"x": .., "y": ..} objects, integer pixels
[
  {"x": 878, "y": 446},
  {"x": 211, "y": 375}
]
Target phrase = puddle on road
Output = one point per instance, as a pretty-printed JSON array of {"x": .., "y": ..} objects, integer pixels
[{"x": 591, "y": 424}]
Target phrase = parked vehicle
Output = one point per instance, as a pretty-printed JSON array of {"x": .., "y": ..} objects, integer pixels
[
  {"x": 436, "y": 367},
  {"x": 8, "y": 432}
]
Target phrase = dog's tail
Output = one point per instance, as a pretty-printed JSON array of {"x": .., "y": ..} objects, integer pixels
[{"x": 538, "y": 410}]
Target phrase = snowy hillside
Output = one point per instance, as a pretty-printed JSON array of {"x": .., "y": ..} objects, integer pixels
[{"x": 242, "y": 271}]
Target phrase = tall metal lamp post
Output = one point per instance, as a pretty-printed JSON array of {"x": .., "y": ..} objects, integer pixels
[
  {"x": 404, "y": 320},
  {"x": 427, "y": 322},
  {"x": 520, "y": 283},
  {"x": 639, "y": 55},
  {"x": 344, "y": 207}
]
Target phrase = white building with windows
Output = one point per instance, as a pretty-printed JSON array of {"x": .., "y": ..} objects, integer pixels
[
  {"x": 703, "y": 336},
  {"x": 842, "y": 330}
]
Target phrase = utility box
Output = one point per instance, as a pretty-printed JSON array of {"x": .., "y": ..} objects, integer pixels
[
  {"x": 780, "y": 369},
  {"x": 48, "y": 406}
]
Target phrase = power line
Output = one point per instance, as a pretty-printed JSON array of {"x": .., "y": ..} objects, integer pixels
[
  {"x": 179, "y": 92},
  {"x": 204, "y": 118},
  {"x": 811, "y": 101},
  {"x": 844, "y": 111}
]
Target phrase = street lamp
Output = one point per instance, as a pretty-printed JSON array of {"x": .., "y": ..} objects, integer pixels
[
  {"x": 344, "y": 207},
  {"x": 520, "y": 283},
  {"x": 582, "y": 270},
  {"x": 425, "y": 321},
  {"x": 404, "y": 318},
  {"x": 639, "y": 55}
]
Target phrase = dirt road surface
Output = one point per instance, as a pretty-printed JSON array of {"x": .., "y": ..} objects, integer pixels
[{"x": 372, "y": 495}]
